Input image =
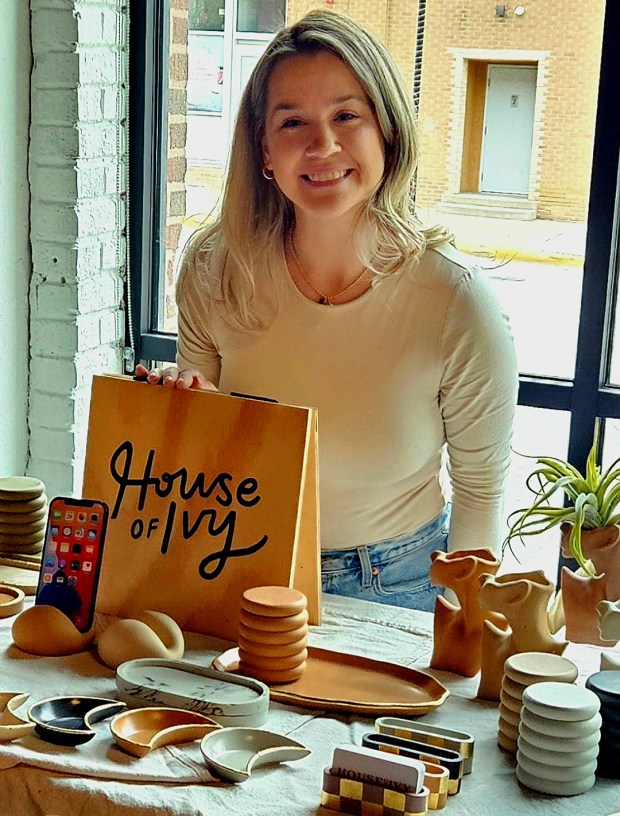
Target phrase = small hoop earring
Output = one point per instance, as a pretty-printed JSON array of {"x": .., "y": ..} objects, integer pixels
[{"x": 267, "y": 176}]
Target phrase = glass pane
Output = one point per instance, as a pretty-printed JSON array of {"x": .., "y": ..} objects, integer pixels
[
  {"x": 261, "y": 16},
  {"x": 614, "y": 373},
  {"x": 611, "y": 444},
  {"x": 506, "y": 119},
  {"x": 537, "y": 432},
  {"x": 206, "y": 15}
]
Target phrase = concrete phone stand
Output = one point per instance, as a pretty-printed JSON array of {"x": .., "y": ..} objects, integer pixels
[{"x": 46, "y": 631}]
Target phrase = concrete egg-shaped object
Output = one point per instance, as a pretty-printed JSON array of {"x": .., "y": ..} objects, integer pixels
[{"x": 147, "y": 634}]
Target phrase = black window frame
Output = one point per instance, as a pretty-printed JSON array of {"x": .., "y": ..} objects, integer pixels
[{"x": 586, "y": 397}]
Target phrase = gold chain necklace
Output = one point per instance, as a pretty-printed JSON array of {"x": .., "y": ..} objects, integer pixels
[{"x": 324, "y": 300}]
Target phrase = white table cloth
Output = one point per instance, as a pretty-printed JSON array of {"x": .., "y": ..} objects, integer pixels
[{"x": 99, "y": 779}]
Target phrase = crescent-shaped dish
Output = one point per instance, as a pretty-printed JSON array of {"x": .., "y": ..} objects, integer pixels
[
  {"x": 67, "y": 720},
  {"x": 232, "y": 753},
  {"x": 142, "y": 730},
  {"x": 12, "y": 726}
]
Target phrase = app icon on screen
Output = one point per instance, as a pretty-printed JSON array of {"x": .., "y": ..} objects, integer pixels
[
  {"x": 87, "y": 566},
  {"x": 64, "y": 547},
  {"x": 47, "y": 578},
  {"x": 69, "y": 515}
]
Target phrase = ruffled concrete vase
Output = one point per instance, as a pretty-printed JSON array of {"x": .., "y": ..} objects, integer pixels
[
  {"x": 580, "y": 593},
  {"x": 523, "y": 598},
  {"x": 457, "y": 630}
]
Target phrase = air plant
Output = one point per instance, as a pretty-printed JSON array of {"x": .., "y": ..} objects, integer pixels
[{"x": 593, "y": 501}]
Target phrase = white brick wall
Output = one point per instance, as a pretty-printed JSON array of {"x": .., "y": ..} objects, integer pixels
[{"x": 77, "y": 171}]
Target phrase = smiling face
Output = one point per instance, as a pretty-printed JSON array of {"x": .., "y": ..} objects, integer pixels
[{"x": 322, "y": 140}]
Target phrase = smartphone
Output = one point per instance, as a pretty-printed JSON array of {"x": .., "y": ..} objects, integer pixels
[{"x": 71, "y": 558}]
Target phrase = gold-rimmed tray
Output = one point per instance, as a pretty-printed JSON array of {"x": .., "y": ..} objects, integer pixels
[{"x": 345, "y": 682}]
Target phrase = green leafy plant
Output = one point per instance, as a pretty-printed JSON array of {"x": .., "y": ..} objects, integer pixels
[{"x": 593, "y": 501}]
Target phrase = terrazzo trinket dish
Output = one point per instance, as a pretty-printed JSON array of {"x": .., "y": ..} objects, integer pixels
[
  {"x": 141, "y": 730},
  {"x": 12, "y": 726},
  {"x": 227, "y": 699},
  {"x": 233, "y": 753},
  {"x": 68, "y": 720}
]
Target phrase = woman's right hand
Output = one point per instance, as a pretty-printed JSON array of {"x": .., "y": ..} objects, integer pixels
[{"x": 173, "y": 377}]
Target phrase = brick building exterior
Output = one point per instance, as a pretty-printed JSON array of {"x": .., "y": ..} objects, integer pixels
[{"x": 456, "y": 45}]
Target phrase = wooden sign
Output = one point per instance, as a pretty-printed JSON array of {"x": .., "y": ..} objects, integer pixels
[{"x": 209, "y": 495}]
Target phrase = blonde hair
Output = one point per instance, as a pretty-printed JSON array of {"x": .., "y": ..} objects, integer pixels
[{"x": 247, "y": 234}]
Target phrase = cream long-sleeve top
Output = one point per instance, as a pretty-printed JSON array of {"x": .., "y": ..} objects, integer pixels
[{"x": 420, "y": 363}]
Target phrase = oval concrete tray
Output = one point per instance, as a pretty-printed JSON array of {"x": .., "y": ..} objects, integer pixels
[
  {"x": 230, "y": 701},
  {"x": 344, "y": 682}
]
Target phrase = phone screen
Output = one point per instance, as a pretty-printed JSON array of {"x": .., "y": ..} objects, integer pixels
[{"x": 71, "y": 558}]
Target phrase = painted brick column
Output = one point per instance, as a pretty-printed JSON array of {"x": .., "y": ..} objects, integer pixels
[{"x": 77, "y": 178}]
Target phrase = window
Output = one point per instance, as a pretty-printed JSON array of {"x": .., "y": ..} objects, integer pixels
[{"x": 512, "y": 122}]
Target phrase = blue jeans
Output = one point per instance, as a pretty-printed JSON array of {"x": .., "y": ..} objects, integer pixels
[{"x": 393, "y": 571}]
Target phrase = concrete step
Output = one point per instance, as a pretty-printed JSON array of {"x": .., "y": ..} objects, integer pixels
[{"x": 513, "y": 208}]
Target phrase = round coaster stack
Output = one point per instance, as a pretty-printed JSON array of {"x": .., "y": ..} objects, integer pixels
[
  {"x": 606, "y": 686},
  {"x": 23, "y": 515},
  {"x": 273, "y": 629},
  {"x": 520, "y": 671},
  {"x": 558, "y": 738}
]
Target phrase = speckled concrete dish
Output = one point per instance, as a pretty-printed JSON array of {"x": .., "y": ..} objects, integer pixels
[
  {"x": 67, "y": 720},
  {"x": 12, "y": 726},
  {"x": 230, "y": 701},
  {"x": 233, "y": 753},
  {"x": 142, "y": 730},
  {"x": 11, "y": 601}
]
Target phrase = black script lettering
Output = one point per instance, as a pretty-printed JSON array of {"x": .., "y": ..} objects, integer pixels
[
  {"x": 172, "y": 509},
  {"x": 136, "y": 529},
  {"x": 123, "y": 479},
  {"x": 219, "y": 558},
  {"x": 220, "y": 482},
  {"x": 218, "y": 488},
  {"x": 248, "y": 486}
]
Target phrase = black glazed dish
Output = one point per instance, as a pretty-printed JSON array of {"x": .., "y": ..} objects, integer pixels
[{"x": 67, "y": 720}]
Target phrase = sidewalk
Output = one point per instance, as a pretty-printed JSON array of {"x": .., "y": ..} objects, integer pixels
[{"x": 550, "y": 242}]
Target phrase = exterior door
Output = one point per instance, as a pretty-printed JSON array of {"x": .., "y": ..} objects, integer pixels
[{"x": 508, "y": 128}]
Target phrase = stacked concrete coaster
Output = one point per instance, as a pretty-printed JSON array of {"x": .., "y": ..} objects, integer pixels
[
  {"x": 23, "y": 515},
  {"x": 273, "y": 629},
  {"x": 606, "y": 686},
  {"x": 558, "y": 740},
  {"x": 520, "y": 671}
]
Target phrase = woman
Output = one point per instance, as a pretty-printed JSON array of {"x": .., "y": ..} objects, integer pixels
[{"x": 317, "y": 285}]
